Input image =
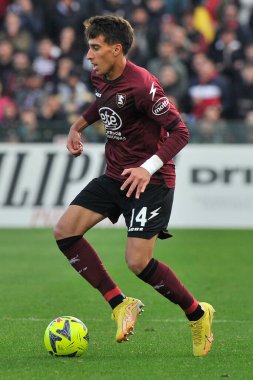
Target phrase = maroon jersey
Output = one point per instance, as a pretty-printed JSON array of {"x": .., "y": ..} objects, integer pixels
[{"x": 139, "y": 120}]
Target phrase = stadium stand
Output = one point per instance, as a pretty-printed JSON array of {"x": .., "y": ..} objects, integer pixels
[{"x": 201, "y": 51}]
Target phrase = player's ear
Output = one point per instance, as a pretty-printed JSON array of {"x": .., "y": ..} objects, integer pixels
[{"x": 117, "y": 49}]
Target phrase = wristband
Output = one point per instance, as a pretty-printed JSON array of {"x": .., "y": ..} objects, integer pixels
[{"x": 153, "y": 164}]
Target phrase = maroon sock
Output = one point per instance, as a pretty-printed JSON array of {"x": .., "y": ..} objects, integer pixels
[
  {"x": 164, "y": 280},
  {"x": 85, "y": 260}
]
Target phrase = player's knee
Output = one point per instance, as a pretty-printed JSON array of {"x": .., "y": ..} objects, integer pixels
[
  {"x": 135, "y": 265},
  {"x": 59, "y": 231}
]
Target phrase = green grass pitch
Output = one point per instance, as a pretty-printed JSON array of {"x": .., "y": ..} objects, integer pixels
[{"x": 38, "y": 284}]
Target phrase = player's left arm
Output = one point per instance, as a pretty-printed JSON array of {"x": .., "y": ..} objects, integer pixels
[
  {"x": 165, "y": 116},
  {"x": 157, "y": 106}
]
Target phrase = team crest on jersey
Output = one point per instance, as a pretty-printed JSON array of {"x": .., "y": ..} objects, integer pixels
[{"x": 120, "y": 100}]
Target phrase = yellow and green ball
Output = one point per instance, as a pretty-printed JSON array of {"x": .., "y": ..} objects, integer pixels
[{"x": 66, "y": 336}]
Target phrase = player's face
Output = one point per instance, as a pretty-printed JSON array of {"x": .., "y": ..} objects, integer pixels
[{"x": 103, "y": 56}]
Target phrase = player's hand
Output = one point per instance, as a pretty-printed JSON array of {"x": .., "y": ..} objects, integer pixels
[
  {"x": 138, "y": 178},
  {"x": 74, "y": 144}
]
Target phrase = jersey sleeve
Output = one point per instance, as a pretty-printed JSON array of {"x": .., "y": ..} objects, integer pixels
[
  {"x": 91, "y": 114},
  {"x": 176, "y": 140},
  {"x": 154, "y": 103}
]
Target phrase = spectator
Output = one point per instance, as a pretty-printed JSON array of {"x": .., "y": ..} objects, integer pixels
[
  {"x": 31, "y": 17},
  {"x": 140, "y": 22},
  {"x": 52, "y": 118},
  {"x": 227, "y": 53},
  {"x": 211, "y": 127},
  {"x": 156, "y": 9},
  {"x": 167, "y": 55},
  {"x": 5, "y": 101},
  {"x": 45, "y": 62},
  {"x": 15, "y": 78},
  {"x": 244, "y": 12},
  {"x": 68, "y": 45},
  {"x": 229, "y": 19},
  {"x": 207, "y": 88},
  {"x": 33, "y": 93},
  {"x": 177, "y": 7},
  {"x": 118, "y": 7},
  {"x": 243, "y": 92},
  {"x": 28, "y": 128},
  {"x": 20, "y": 39},
  {"x": 135, "y": 55},
  {"x": 64, "y": 66},
  {"x": 66, "y": 13},
  {"x": 169, "y": 43},
  {"x": 182, "y": 44},
  {"x": 92, "y": 8},
  {"x": 51, "y": 109},
  {"x": 8, "y": 120},
  {"x": 172, "y": 83},
  {"x": 198, "y": 42},
  {"x": 168, "y": 79},
  {"x": 6, "y": 58},
  {"x": 74, "y": 95},
  {"x": 166, "y": 27}
]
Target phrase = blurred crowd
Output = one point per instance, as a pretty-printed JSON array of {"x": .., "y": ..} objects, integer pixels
[{"x": 201, "y": 51}]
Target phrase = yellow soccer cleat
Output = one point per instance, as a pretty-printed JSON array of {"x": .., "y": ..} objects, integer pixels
[
  {"x": 125, "y": 315},
  {"x": 202, "y": 336}
]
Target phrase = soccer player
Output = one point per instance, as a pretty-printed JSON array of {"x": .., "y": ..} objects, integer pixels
[{"x": 144, "y": 132}]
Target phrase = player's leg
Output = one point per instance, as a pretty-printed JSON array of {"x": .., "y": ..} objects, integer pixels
[
  {"x": 164, "y": 281},
  {"x": 126, "y": 313},
  {"x": 76, "y": 220},
  {"x": 82, "y": 256},
  {"x": 148, "y": 219},
  {"x": 139, "y": 258},
  {"x": 92, "y": 205}
]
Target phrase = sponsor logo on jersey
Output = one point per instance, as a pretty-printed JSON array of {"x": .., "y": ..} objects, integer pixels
[
  {"x": 98, "y": 94},
  {"x": 110, "y": 118},
  {"x": 120, "y": 100},
  {"x": 161, "y": 106}
]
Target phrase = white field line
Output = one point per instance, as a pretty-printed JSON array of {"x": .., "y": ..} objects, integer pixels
[{"x": 34, "y": 319}]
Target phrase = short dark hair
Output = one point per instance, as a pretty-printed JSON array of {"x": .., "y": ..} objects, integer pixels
[{"x": 115, "y": 29}]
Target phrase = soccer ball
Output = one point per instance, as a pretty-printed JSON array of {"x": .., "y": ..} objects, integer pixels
[{"x": 66, "y": 336}]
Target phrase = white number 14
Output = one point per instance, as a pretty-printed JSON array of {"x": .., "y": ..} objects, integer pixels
[{"x": 141, "y": 217}]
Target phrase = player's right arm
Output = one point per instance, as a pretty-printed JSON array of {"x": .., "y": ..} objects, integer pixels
[{"x": 74, "y": 142}]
